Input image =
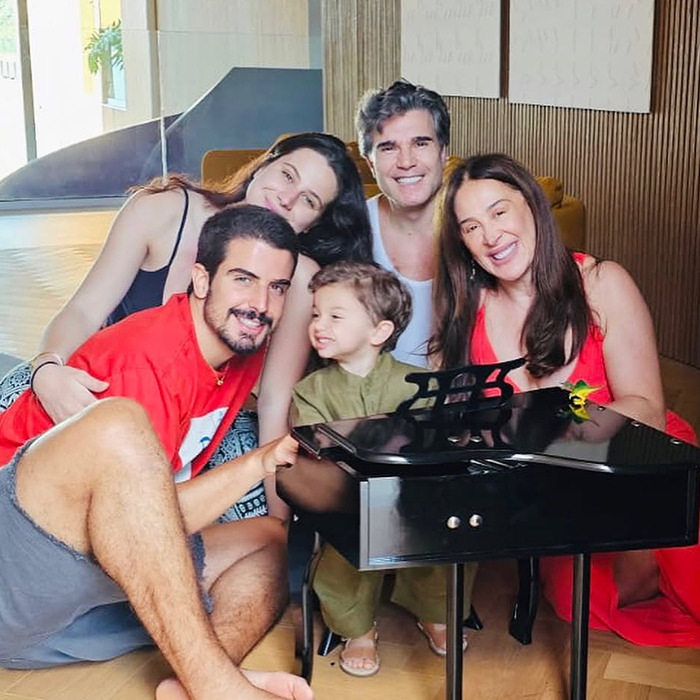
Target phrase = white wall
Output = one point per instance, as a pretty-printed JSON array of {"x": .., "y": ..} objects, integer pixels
[{"x": 201, "y": 41}]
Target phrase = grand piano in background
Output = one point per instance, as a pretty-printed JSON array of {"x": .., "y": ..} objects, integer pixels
[
  {"x": 247, "y": 108},
  {"x": 538, "y": 473}
]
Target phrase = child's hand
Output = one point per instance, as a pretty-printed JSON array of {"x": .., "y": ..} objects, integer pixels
[{"x": 278, "y": 453}]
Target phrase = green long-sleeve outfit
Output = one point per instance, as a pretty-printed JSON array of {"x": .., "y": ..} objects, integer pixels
[{"x": 348, "y": 597}]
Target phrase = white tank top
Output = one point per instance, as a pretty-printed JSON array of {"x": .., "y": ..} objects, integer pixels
[{"x": 413, "y": 342}]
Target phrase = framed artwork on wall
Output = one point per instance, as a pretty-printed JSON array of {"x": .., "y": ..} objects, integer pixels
[
  {"x": 592, "y": 54},
  {"x": 453, "y": 47}
]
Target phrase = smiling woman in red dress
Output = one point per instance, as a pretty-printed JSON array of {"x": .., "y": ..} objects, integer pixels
[{"x": 507, "y": 287}]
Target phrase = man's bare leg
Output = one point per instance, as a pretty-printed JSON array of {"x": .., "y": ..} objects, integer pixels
[
  {"x": 246, "y": 575},
  {"x": 101, "y": 483}
]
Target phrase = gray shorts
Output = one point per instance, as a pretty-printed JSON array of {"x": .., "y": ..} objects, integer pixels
[{"x": 57, "y": 606}]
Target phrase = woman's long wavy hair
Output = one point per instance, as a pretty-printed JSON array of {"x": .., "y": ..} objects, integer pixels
[
  {"x": 560, "y": 300},
  {"x": 343, "y": 230}
]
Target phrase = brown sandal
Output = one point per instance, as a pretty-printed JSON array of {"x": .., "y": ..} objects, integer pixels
[{"x": 434, "y": 646}]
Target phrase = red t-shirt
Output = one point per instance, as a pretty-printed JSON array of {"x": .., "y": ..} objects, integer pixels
[{"x": 153, "y": 357}]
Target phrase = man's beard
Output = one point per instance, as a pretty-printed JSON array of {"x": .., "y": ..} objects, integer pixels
[{"x": 242, "y": 344}]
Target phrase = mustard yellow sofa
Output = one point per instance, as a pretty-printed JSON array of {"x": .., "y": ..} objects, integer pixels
[{"x": 568, "y": 211}]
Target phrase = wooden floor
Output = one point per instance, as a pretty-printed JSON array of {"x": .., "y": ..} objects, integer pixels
[
  {"x": 495, "y": 665},
  {"x": 42, "y": 258}
]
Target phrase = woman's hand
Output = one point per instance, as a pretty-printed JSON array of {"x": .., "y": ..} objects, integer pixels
[{"x": 63, "y": 391}]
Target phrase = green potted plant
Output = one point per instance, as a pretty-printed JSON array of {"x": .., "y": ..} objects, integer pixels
[{"x": 104, "y": 51}]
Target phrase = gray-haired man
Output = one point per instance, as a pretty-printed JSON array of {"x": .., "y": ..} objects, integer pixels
[{"x": 403, "y": 133}]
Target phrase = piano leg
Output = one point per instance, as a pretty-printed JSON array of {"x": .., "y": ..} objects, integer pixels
[
  {"x": 455, "y": 616},
  {"x": 305, "y": 645},
  {"x": 525, "y": 609},
  {"x": 579, "y": 629},
  {"x": 473, "y": 622}
]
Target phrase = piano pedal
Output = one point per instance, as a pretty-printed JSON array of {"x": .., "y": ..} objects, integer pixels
[
  {"x": 473, "y": 622},
  {"x": 329, "y": 641}
]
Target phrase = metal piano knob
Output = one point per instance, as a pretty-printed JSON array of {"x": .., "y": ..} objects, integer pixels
[
  {"x": 635, "y": 423},
  {"x": 453, "y": 522},
  {"x": 676, "y": 441},
  {"x": 475, "y": 438},
  {"x": 454, "y": 439},
  {"x": 475, "y": 520}
]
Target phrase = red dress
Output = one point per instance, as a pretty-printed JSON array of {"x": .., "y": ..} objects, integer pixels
[{"x": 672, "y": 618}]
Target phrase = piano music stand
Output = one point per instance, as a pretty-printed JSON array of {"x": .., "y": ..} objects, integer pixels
[{"x": 451, "y": 486}]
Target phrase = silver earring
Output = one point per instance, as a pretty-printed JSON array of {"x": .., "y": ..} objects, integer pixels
[{"x": 472, "y": 271}]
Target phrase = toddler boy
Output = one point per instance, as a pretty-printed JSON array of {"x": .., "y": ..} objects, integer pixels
[{"x": 359, "y": 311}]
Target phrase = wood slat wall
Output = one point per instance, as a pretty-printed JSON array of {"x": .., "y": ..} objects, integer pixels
[{"x": 637, "y": 174}]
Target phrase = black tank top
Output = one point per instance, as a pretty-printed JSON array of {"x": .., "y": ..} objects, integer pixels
[{"x": 147, "y": 289}]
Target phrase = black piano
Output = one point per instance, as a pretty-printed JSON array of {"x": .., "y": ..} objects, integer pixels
[{"x": 537, "y": 473}]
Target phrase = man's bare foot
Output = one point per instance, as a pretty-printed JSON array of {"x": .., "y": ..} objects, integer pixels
[
  {"x": 268, "y": 685},
  {"x": 359, "y": 656},
  {"x": 171, "y": 689},
  {"x": 283, "y": 685}
]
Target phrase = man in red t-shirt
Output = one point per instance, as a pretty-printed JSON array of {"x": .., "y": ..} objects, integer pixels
[{"x": 91, "y": 519}]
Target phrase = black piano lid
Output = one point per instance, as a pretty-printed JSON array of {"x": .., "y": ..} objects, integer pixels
[{"x": 538, "y": 426}]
